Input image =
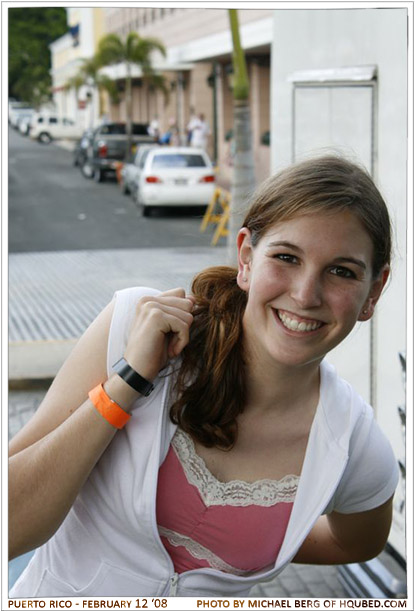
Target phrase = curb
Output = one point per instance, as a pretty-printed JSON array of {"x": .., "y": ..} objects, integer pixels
[
  {"x": 30, "y": 384},
  {"x": 37, "y": 360}
]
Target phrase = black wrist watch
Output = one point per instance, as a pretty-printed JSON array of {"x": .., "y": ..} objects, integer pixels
[{"x": 132, "y": 378}]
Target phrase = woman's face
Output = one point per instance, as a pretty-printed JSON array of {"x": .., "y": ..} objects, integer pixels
[{"x": 309, "y": 279}]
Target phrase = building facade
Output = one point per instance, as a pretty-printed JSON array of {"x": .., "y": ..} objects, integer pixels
[
  {"x": 198, "y": 70},
  {"x": 339, "y": 83},
  {"x": 86, "y": 27}
]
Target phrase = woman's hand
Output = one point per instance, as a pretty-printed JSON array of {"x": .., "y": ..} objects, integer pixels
[{"x": 160, "y": 331}]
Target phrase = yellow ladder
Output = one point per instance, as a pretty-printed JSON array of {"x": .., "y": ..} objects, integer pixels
[{"x": 221, "y": 198}]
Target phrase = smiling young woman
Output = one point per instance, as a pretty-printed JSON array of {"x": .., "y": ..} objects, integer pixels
[{"x": 247, "y": 451}]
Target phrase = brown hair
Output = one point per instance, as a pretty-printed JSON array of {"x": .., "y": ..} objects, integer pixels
[
  {"x": 327, "y": 184},
  {"x": 211, "y": 379}
]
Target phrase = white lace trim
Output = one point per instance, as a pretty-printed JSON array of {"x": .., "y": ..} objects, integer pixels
[
  {"x": 198, "y": 551},
  {"x": 235, "y": 492}
]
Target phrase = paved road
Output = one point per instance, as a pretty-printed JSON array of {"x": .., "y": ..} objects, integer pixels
[{"x": 52, "y": 207}]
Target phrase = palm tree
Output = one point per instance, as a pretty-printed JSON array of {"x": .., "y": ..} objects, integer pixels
[
  {"x": 243, "y": 180},
  {"x": 89, "y": 71},
  {"x": 75, "y": 82},
  {"x": 134, "y": 50},
  {"x": 88, "y": 74}
]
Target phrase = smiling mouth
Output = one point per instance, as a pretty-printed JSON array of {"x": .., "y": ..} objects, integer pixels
[{"x": 298, "y": 324}]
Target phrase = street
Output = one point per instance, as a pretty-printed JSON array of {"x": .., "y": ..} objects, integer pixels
[{"x": 52, "y": 207}]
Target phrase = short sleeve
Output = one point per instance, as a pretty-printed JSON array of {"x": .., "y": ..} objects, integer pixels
[{"x": 371, "y": 474}]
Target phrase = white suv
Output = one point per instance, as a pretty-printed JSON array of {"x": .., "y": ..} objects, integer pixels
[{"x": 46, "y": 128}]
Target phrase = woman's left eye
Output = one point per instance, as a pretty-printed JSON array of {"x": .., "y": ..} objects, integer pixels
[
  {"x": 286, "y": 257},
  {"x": 343, "y": 272}
]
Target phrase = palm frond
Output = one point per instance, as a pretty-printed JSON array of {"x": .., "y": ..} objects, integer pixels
[{"x": 111, "y": 50}]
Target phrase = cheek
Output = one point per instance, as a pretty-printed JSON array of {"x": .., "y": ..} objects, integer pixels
[{"x": 346, "y": 304}]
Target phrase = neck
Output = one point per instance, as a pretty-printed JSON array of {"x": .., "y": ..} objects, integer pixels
[{"x": 281, "y": 388}]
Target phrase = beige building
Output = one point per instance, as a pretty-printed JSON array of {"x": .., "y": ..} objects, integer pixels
[
  {"x": 198, "y": 69},
  {"x": 86, "y": 28}
]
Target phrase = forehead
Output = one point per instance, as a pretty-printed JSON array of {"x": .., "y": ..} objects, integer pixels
[{"x": 336, "y": 230}]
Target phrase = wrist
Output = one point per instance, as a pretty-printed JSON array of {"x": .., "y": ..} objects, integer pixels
[
  {"x": 132, "y": 377},
  {"x": 121, "y": 392}
]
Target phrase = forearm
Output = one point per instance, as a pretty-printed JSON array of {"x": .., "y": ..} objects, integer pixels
[
  {"x": 321, "y": 548},
  {"x": 347, "y": 538},
  {"x": 45, "y": 478}
]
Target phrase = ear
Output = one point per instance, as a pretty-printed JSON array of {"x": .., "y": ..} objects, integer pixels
[
  {"x": 244, "y": 245},
  {"x": 375, "y": 292}
]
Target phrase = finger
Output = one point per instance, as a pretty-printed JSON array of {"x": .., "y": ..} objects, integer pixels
[
  {"x": 179, "y": 291},
  {"x": 179, "y": 304},
  {"x": 179, "y": 338}
]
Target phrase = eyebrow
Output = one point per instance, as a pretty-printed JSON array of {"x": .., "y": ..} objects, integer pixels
[{"x": 294, "y": 247}]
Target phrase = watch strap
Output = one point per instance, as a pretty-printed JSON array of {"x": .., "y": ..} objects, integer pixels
[{"x": 132, "y": 378}]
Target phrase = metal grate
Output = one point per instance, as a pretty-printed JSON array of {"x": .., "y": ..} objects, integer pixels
[{"x": 56, "y": 295}]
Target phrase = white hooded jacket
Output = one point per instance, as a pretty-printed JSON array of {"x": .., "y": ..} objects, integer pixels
[{"x": 108, "y": 545}]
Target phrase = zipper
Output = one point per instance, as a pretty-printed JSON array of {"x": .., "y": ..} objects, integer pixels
[{"x": 173, "y": 582}]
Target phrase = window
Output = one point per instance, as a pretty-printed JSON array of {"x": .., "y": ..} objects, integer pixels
[
  {"x": 139, "y": 129},
  {"x": 53, "y": 120},
  {"x": 178, "y": 160}
]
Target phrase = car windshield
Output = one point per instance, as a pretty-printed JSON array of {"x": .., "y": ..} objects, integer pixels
[
  {"x": 178, "y": 160},
  {"x": 139, "y": 129}
]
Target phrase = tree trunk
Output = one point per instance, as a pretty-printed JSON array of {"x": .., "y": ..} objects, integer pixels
[
  {"x": 243, "y": 179},
  {"x": 129, "y": 111}
]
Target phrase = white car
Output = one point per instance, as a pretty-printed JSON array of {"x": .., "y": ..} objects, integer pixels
[
  {"x": 175, "y": 176},
  {"x": 17, "y": 113},
  {"x": 130, "y": 173},
  {"x": 46, "y": 128},
  {"x": 23, "y": 122}
]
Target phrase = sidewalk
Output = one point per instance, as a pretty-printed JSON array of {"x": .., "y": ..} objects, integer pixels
[{"x": 54, "y": 296}]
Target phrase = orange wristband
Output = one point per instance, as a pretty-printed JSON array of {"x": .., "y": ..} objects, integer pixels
[{"x": 112, "y": 412}]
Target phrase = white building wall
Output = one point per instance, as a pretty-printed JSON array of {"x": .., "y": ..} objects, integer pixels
[{"x": 332, "y": 38}]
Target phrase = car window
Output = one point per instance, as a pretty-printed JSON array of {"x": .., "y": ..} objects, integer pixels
[
  {"x": 67, "y": 122},
  {"x": 143, "y": 158},
  {"x": 40, "y": 120},
  {"x": 113, "y": 128},
  {"x": 178, "y": 160},
  {"x": 140, "y": 129},
  {"x": 53, "y": 120}
]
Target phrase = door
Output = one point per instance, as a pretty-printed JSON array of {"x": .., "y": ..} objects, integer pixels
[{"x": 338, "y": 116}]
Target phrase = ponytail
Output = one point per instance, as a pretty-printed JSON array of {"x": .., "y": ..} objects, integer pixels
[{"x": 211, "y": 381}]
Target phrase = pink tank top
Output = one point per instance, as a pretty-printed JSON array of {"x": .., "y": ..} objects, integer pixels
[{"x": 236, "y": 526}]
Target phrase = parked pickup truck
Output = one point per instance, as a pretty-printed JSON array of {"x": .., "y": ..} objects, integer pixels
[{"x": 108, "y": 146}]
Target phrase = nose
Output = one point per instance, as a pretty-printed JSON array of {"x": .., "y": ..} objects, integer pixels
[{"x": 306, "y": 290}]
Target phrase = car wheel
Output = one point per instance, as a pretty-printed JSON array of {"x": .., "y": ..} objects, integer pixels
[
  {"x": 124, "y": 188},
  {"x": 145, "y": 210},
  {"x": 44, "y": 138},
  {"x": 87, "y": 170},
  {"x": 99, "y": 175}
]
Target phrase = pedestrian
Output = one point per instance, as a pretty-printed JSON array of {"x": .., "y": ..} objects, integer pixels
[
  {"x": 194, "y": 120},
  {"x": 194, "y": 445},
  {"x": 154, "y": 128},
  {"x": 200, "y": 132}
]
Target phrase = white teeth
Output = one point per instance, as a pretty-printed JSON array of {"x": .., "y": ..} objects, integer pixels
[{"x": 294, "y": 325}]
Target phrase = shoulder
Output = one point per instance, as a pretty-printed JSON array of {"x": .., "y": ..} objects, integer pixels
[{"x": 343, "y": 407}]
